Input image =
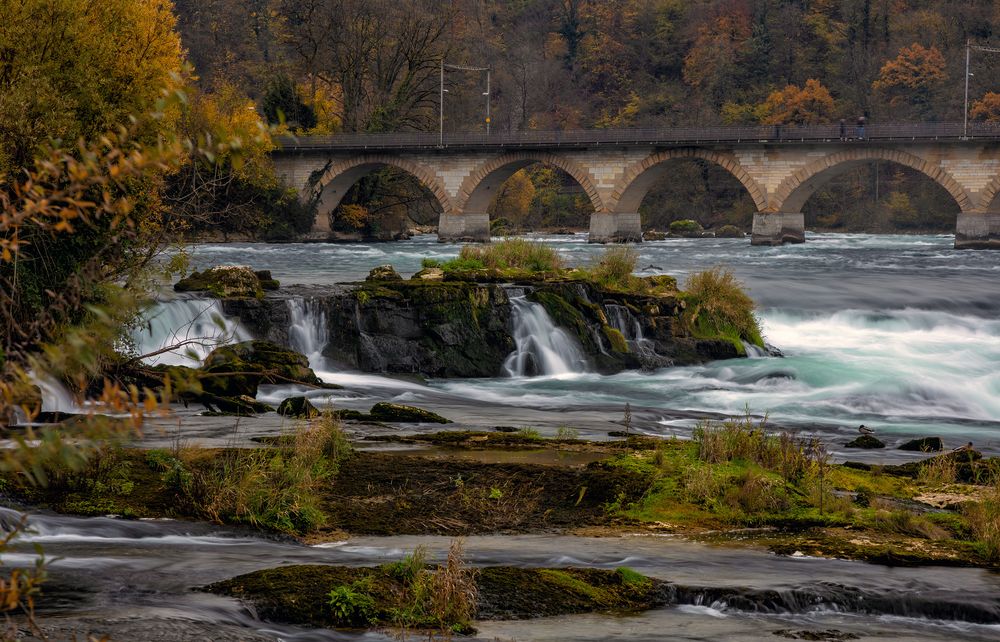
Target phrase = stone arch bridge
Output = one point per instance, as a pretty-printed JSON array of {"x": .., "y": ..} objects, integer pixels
[{"x": 780, "y": 167}]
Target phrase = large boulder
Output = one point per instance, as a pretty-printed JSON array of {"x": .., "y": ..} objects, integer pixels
[
  {"x": 384, "y": 273},
  {"x": 385, "y": 411},
  {"x": 867, "y": 442},
  {"x": 924, "y": 445},
  {"x": 239, "y": 368},
  {"x": 226, "y": 281}
]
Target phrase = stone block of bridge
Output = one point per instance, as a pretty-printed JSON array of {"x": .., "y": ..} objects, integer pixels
[
  {"x": 778, "y": 228},
  {"x": 464, "y": 228},
  {"x": 615, "y": 228},
  {"x": 977, "y": 231}
]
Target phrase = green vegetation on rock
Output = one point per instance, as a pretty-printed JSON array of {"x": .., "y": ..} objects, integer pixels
[
  {"x": 412, "y": 595},
  {"x": 718, "y": 307}
]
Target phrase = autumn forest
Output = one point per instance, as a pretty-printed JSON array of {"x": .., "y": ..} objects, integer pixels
[{"x": 372, "y": 65}]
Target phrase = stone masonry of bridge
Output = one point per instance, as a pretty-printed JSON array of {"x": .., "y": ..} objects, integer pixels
[{"x": 780, "y": 177}]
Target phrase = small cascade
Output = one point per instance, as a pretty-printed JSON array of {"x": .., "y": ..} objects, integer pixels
[
  {"x": 755, "y": 352},
  {"x": 621, "y": 318},
  {"x": 308, "y": 332},
  {"x": 186, "y": 330},
  {"x": 55, "y": 397},
  {"x": 542, "y": 347}
]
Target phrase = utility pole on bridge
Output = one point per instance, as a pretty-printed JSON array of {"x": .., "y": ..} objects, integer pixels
[
  {"x": 444, "y": 66},
  {"x": 968, "y": 54}
]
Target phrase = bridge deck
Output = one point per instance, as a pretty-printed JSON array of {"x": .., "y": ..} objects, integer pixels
[{"x": 660, "y": 137}]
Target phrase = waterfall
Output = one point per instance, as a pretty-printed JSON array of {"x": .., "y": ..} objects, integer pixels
[
  {"x": 755, "y": 352},
  {"x": 308, "y": 332},
  {"x": 196, "y": 326},
  {"x": 542, "y": 347},
  {"x": 621, "y": 318}
]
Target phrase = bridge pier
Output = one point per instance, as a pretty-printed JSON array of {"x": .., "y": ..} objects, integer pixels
[
  {"x": 977, "y": 231},
  {"x": 778, "y": 228},
  {"x": 615, "y": 227},
  {"x": 469, "y": 228}
]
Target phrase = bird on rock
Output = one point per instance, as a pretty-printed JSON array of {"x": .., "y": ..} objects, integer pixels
[{"x": 865, "y": 430}]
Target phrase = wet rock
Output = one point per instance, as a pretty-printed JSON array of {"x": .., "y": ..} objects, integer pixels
[
  {"x": 384, "y": 273},
  {"x": 224, "y": 281},
  {"x": 687, "y": 228},
  {"x": 298, "y": 407},
  {"x": 924, "y": 445},
  {"x": 829, "y": 635},
  {"x": 653, "y": 235},
  {"x": 267, "y": 282},
  {"x": 865, "y": 441},
  {"x": 429, "y": 274},
  {"x": 238, "y": 369},
  {"x": 385, "y": 411},
  {"x": 240, "y": 405}
]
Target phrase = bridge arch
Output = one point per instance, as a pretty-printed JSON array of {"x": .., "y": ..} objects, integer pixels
[
  {"x": 640, "y": 177},
  {"x": 793, "y": 192},
  {"x": 481, "y": 186},
  {"x": 341, "y": 175}
]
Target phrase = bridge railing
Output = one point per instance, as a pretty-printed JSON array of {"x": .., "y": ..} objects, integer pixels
[{"x": 651, "y": 136}]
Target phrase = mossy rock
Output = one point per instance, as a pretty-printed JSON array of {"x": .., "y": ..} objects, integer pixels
[
  {"x": 662, "y": 283},
  {"x": 429, "y": 274},
  {"x": 267, "y": 282},
  {"x": 224, "y": 281},
  {"x": 865, "y": 441},
  {"x": 653, "y": 235},
  {"x": 300, "y": 594},
  {"x": 924, "y": 445},
  {"x": 687, "y": 228},
  {"x": 298, "y": 407},
  {"x": 385, "y": 411},
  {"x": 616, "y": 339},
  {"x": 384, "y": 273},
  {"x": 239, "y": 368},
  {"x": 729, "y": 232}
]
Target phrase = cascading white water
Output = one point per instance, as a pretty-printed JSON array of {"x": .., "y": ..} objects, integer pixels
[
  {"x": 194, "y": 326},
  {"x": 543, "y": 348},
  {"x": 621, "y": 318},
  {"x": 308, "y": 332}
]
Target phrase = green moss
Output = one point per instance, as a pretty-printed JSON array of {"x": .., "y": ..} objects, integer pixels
[{"x": 616, "y": 339}]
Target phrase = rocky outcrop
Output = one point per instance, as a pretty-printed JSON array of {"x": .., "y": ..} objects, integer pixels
[
  {"x": 462, "y": 328},
  {"x": 226, "y": 281},
  {"x": 238, "y": 369}
]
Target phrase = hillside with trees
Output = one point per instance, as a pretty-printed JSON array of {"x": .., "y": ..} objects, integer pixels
[{"x": 372, "y": 65}]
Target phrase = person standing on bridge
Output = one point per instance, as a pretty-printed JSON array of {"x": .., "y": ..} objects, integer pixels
[
  {"x": 843, "y": 129},
  {"x": 861, "y": 127}
]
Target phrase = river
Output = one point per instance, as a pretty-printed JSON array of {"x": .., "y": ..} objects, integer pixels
[
  {"x": 901, "y": 333},
  {"x": 897, "y": 332}
]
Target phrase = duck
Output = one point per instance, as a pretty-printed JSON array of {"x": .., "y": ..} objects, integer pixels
[
  {"x": 865, "y": 430},
  {"x": 964, "y": 448}
]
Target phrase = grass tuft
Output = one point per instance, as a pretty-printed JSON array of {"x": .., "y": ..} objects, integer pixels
[
  {"x": 718, "y": 307},
  {"x": 509, "y": 254}
]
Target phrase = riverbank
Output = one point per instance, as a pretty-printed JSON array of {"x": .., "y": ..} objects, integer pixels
[{"x": 769, "y": 492}]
